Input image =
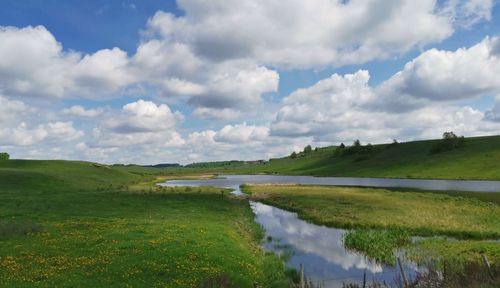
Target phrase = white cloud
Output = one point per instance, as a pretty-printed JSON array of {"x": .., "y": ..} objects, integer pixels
[
  {"x": 104, "y": 72},
  {"x": 23, "y": 135},
  {"x": 468, "y": 13},
  {"x": 341, "y": 109},
  {"x": 12, "y": 108},
  {"x": 220, "y": 114},
  {"x": 63, "y": 131},
  {"x": 303, "y": 33},
  {"x": 448, "y": 75},
  {"x": 139, "y": 123},
  {"x": 34, "y": 64},
  {"x": 323, "y": 106},
  {"x": 241, "y": 133},
  {"x": 176, "y": 86},
  {"x": 80, "y": 111},
  {"x": 144, "y": 116}
]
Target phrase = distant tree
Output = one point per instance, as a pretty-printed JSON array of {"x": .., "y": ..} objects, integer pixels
[
  {"x": 316, "y": 149},
  {"x": 4, "y": 156},
  {"x": 293, "y": 155},
  {"x": 394, "y": 143},
  {"x": 342, "y": 146},
  {"x": 307, "y": 149},
  {"x": 356, "y": 143},
  {"x": 449, "y": 142},
  {"x": 449, "y": 135}
]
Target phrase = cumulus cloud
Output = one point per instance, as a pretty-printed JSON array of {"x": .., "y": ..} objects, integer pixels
[
  {"x": 344, "y": 108},
  {"x": 23, "y": 135},
  {"x": 34, "y": 64},
  {"x": 448, "y": 75},
  {"x": 139, "y": 123},
  {"x": 310, "y": 33},
  {"x": 324, "y": 106},
  {"x": 144, "y": 116},
  {"x": 241, "y": 133}
]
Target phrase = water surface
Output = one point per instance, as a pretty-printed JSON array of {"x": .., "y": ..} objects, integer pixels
[{"x": 234, "y": 181}]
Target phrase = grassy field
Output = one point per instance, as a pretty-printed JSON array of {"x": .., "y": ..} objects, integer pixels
[
  {"x": 79, "y": 224},
  {"x": 476, "y": 159},
  {"x": 415, "y": 213}
]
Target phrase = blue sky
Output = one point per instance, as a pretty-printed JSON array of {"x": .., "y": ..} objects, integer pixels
[{"x": 191, "y": 80}]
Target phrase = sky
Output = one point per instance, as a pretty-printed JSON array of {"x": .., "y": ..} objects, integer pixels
[{"x": 186, "y": 81}]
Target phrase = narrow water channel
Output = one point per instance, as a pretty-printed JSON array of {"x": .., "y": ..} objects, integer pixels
[{"x": 319, "y": 249}]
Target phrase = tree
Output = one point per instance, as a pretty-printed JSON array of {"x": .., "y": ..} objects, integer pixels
[
  {"x": 307, "y": 149},
  {"x": 449, "y": 142},
  {"x": 356, "y": 143},
  {"x": 342, "y": 146},
  {"x": 4, "y": 156},
  {"x": 449, "y": 135},
  {"x": 293, "y": 155}
]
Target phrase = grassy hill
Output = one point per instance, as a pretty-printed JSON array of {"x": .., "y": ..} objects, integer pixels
[{"x": 477, "y": 158}]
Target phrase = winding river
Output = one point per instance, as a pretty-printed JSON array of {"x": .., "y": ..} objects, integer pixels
[{"x": 320, "y": 248}]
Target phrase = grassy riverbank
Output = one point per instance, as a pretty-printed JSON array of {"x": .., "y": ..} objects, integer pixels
[
  {"x": 413, "y": 213},
  {"x": 82, "y": 224}
]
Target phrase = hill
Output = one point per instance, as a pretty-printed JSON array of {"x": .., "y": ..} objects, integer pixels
[{"x": 477, "y": 158}]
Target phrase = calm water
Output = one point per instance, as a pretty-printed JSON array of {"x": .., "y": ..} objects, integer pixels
[
  {"x": 320, "y": 248},
  {"x": 234, "y": 181}
]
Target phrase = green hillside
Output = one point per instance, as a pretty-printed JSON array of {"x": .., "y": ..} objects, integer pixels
[{"x": 477, "y": 158}]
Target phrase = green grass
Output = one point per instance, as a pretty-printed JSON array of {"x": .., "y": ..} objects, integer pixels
[
  {"x": 477, "y": 159},
  {"x": 370, "y": 210},
  {"x": 76, "y": 224}
]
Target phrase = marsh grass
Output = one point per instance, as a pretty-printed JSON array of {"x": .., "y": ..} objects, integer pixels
[{"x": 377, "y": 245}]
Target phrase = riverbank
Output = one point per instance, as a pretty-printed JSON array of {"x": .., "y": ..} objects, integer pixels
[{"x": 84, "y": 224}]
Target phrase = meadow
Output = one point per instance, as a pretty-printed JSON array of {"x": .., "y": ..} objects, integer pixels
[{"x": 70, "y": 224}]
